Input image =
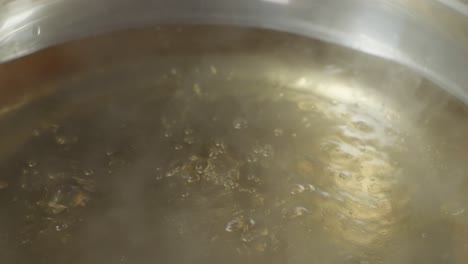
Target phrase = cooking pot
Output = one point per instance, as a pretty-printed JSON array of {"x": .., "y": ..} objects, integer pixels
[{"x": 264, "y": 131}]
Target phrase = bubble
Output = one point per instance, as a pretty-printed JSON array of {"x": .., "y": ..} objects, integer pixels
[
  {"x": 173, "y": 71},
  {"x": 191, "y": 177},
  {"x": 453, "y": 208},
  {"x": 79, "y": 199},
  {"x": 88, "y": 172},
  {"x": 257, "y": 200},
  {"x": 296, "y": 189},
  {"x": 189, "y": 139},
  {"x": 200, "y": 166},
  {"x": 253, "y": 177},
  {"x": 184, "y": 195},
  {"x": 306, "y": 122},
  {"x": 458, "y": 212},
  {"x": 261, "y": 246},
  {"x": 158, "y": 174},
  {"x": 363, "y": 126},
  {"x": 218, "y": 148},
  {"x": 36, "y": 132},
  {"x": 328, "y": 146},
  {"x": 253, "y": 234},
  {"x": 266, "y": 151},
  {"x": 213, "y": 70},
  {"x": 251, "y": 158},
  {"x": 61, "y": 227},
  {"x": 173, "y": 172},
  {"x": 230, "y": 184},
  {"x": 235, "y": 225},
  {"x": 32, "y": 163},
  {"x": 280, "y": 95},
  {"x": 197, "y": 89},
  {"x": 299, "y": 211},
  {"x": 295, "y": 212},
  {"x": 240, "y": 123},
  {"x": 56, "y": 208},
  {"x": 219, "y": 143},
  {"x": 178, "y": 147},
  {"x": 168, "y": 133},
  {"x": 158, "y": 177},
  {"x": 210, "y": 176},
  {"x": 278, "y": 132},
  {"x": 306, "y": 106},
  {"x": 344, "y": 175},
  {"x": 188, "y": 131},
  {"x": 324, "y": 193},
  {"x": 52, "y": 127},
  {"x": 61, "y": 140}
]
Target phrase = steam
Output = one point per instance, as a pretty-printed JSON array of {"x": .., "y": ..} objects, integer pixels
[{"x": 238, "y": 146}]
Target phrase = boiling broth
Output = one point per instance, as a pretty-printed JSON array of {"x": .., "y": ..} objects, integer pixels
[{"x": 198, "y": 150}]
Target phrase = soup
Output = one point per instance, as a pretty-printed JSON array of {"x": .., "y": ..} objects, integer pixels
[{"x": 218, "y": 144}]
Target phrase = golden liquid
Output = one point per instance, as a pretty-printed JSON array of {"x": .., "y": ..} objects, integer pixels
[{"x": 181, "y": 159}]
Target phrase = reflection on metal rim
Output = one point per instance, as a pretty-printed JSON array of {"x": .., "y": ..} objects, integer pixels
[{"x": 396, "y": 30}]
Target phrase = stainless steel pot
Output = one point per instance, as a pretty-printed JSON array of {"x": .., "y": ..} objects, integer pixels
[
  {"x": 380, "y": 178},
  {"x": 427, "y": 36}
]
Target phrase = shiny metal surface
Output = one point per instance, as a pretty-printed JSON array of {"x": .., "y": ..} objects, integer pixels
[{"x": 429, "y": 36}]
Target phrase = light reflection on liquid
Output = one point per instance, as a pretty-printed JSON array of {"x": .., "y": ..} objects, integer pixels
[{"x": 356, "y": 189}]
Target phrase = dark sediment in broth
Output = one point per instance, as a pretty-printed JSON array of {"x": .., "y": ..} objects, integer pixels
[{"x": 194, "y": 155}]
